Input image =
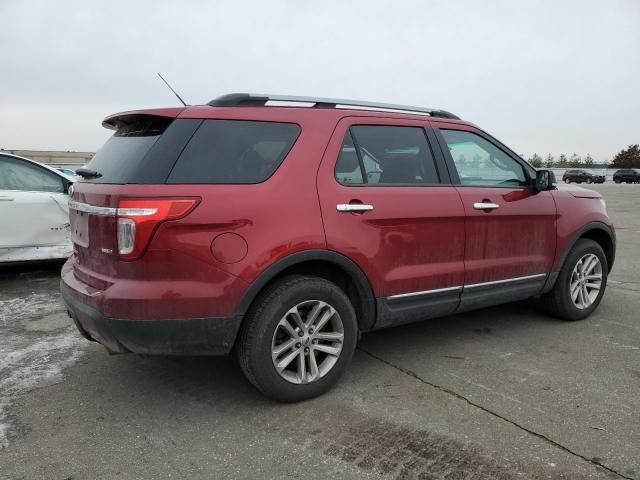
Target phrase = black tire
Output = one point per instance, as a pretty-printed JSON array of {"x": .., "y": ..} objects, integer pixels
[
  {"x": 567, "y": 180},
  {"x": 558, "y": 301},
  {"x": 589, "y": 180},
  {"x": 254, "y": 344},
  {"x": 616, "y": 180}
]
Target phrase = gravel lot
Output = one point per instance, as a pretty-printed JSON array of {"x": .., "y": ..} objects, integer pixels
[{"x": 500, "y": 393}]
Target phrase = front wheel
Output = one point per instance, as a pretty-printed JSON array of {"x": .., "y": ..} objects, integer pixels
[
  {"x": 567, "y": 180},
  {"x": 581, "y": 283},
  {"x": 616, "y": 180},
  {"x": 298, "y": 338}
]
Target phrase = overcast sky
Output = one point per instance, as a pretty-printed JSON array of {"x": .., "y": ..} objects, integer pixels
[{"x": 542, "y": 76}]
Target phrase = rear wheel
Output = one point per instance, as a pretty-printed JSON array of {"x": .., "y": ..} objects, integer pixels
[
  {"x": 298, "y": 338},
  {"x": 581, "y": 283},
  {"x": 589, "y": 180}
]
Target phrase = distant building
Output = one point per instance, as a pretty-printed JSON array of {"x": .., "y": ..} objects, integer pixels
[{"x": 54, "y": 157}]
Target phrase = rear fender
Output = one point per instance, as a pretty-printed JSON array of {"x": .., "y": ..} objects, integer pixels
[{"x": 355, "y": 273}]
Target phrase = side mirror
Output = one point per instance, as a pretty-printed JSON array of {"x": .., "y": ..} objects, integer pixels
[{"x": 544, "y": 180}]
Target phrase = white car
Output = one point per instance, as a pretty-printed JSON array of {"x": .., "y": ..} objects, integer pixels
[{"x": 34, "y": 211}]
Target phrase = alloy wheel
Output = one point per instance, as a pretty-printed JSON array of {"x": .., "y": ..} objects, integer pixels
[
  {"x": 307, "y": 342},
  {"x": 586, "y": 281}
]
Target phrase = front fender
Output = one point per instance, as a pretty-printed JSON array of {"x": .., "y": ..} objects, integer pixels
[{"x": 604, "y": 229}]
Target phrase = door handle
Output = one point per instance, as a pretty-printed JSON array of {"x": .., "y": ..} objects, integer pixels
[
  {"x": 485, "y": 206},
  {"x": 6, "y": 199},
  {"x": 353, "y": 207}
]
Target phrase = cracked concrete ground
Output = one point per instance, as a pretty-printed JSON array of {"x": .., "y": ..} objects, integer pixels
[{"x": 500, "y": 393}]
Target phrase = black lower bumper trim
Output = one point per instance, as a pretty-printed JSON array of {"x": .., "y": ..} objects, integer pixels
[{"x": 194, "y": 336}]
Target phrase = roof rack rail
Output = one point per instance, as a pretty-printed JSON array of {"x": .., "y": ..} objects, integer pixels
[{"x": 255, "y": 99}]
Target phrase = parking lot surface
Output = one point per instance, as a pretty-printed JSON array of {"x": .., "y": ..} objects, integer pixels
[{"x": 499, "y": 393}]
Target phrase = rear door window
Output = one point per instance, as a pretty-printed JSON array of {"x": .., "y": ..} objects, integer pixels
[
  {"x": 386, "y": 155},
  {"x": 234, "y": 152}
]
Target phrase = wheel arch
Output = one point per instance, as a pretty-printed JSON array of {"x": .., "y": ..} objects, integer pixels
[
  {"x": 327, "y": 264},
  {"x": 598, "y": 232}
]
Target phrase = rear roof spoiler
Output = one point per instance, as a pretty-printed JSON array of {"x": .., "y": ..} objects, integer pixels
[{"x": 112, "y": 122}]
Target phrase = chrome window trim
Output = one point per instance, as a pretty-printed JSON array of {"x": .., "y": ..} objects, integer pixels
[{"x": 465, "y": 287}]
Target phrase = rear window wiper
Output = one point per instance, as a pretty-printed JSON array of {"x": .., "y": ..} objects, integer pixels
[{"x": 88, "y": 173}]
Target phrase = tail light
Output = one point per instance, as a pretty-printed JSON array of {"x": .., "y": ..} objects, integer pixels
[{"x": 139, "y": 218}]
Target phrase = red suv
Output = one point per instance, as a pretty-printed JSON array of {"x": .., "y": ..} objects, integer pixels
[{"x": 283, "y": 227}]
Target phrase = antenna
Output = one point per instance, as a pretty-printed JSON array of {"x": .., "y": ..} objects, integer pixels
[{"x": 174, "y": 92}]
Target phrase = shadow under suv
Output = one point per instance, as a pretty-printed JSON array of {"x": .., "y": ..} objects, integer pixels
[{"x": 283, "y": 227}]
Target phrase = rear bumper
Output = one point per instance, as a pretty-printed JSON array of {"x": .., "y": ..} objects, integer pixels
[{"x": 194, "y": 336}]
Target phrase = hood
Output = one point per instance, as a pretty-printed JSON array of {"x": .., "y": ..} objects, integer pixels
[{"x": 579, "y": 192}]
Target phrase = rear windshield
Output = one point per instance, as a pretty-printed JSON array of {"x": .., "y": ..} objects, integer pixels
[
  {"x": 234, "y": 151},
  {"x": 143, "y": 151},
  {"x": 163, "y": 150}
]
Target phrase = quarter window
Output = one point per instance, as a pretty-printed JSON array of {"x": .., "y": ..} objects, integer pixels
[
  {"x": 481, "y": 163},
  {"x": 386, "y": 155},
  {"x": 234, "y": 151}
]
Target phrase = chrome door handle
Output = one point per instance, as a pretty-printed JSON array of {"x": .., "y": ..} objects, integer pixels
[
  {"x": 353, "y": 207},
  {"x": 6, "y": 199},
  {"x": 485, "y": 206}
]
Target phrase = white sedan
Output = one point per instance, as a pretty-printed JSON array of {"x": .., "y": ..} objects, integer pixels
[{"x": 34, "y": 211}]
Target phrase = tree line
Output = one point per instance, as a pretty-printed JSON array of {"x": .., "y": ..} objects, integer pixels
[{"x": 626, "y": 158}]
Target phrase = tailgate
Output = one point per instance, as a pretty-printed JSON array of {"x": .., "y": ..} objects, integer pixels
[{"x": 94, "y": 229}]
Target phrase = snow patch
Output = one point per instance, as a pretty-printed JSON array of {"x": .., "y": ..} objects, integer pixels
[
  {"x": 33, "y": 305},
  {"x": 29, "y": 361}
]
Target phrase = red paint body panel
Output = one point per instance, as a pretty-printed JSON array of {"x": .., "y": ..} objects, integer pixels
[
  {"x": 517, "y": 239},
  {"x": 574, "y": 212},
  {"x": 413, "y": 239}
]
